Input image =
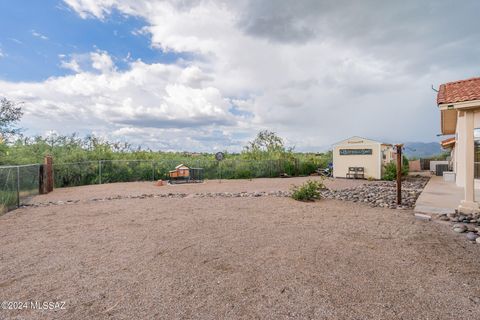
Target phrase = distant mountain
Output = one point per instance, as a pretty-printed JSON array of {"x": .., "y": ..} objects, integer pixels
[{"x": 422, "y": 149}]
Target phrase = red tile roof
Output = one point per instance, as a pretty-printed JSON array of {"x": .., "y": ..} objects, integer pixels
[{"x": 459, "y": 91}]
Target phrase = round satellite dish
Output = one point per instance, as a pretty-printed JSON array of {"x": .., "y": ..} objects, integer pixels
[{"x": 219, "y": 156}]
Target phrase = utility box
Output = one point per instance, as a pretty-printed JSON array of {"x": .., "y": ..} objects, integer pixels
[
  {"x": 434, "y": 164},
  {"x": 440, "y": 169},
  {"x": 448, "y": 176}
]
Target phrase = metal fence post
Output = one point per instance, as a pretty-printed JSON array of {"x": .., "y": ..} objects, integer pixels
[
  {"x": 220, "y": 167},
  {"x": 234, "y": 169},
  {"x": 99, "y": 171},
  {"x": 153, "y": 170},
  {"x": 41, "y": 181},
  {"x": 18, "y": 187}
]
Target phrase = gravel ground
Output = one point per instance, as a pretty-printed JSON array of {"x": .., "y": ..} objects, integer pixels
[
  {"x": 382, "y": 193},
  {"x": 233, "y": 258},
  {"x": 138, "y": 188}
]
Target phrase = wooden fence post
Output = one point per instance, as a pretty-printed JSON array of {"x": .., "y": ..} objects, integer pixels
[
  {"x": 399, "y": 173},
  {"x": 49, "y": 174}
]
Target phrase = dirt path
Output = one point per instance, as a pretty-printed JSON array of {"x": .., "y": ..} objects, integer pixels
[{"x": 240, "y": 258}]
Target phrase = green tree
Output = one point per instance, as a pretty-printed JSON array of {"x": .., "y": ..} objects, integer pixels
[
  {"x": 10, "y": 114},
  {"x": 390, "y": 170},
  {"x": 267, "y": 144}
]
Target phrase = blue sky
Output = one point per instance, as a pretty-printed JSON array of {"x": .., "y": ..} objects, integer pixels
[{"x": 36, "y": 33}]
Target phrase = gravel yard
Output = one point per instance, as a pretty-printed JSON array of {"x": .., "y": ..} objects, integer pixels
[{"x": 111, "y": 256}]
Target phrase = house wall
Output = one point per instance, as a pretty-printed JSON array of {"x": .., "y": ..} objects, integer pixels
[
  {"x": 458, "y": 156},
  {"x": 460, "y": 150},
  {"x": 372, "y": 163}
]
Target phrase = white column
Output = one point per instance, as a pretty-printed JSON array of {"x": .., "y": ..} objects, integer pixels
[{"x": 468, "y": 205}]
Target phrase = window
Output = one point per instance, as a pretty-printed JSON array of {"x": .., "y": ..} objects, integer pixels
[{"x": 476, "y": 137}]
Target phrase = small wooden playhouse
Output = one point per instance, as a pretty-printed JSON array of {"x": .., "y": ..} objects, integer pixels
[{"x": 183, "y": 173}]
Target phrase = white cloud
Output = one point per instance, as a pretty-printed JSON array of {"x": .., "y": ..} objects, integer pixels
[
  {"x": 86, "y": 8},
  {"x": 38, "y": 35},
  {"x": 96, "y": 62},
  {"x": 2, "y": 55},
  {"x": 314, "y": 71},
  {"x": 72, "y": 64},
  {"x": 101, "y": 61},
  {"x": 15, "y": 40},
  {"x": 146, "y": 98}
]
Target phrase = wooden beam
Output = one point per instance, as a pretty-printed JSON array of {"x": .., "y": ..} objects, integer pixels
[{"x": 399, "y": 173}]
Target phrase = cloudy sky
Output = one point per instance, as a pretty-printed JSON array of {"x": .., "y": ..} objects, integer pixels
[{"x": 207, "y": 75}]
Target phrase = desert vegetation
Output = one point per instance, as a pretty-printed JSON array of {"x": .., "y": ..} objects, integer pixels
[
  {"x": 92, "y": 159},
  {"x": 390, "y": 170},
  {"x": 308, "y": 191}
]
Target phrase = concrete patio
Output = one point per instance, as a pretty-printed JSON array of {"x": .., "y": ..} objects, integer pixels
[{"x": 440, "y": 197}]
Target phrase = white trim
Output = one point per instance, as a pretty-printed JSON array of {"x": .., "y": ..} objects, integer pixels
[
  {"x": 460, "y": 105},
  {"x": 360, "y": 144},
  {"x": 380, "y": 164},
  {"x": 358, "y": 137}
]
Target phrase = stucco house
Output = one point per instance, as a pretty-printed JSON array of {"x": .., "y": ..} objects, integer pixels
[
  {"x": 356, "y": 152},
  {"x": 459, "y": 104}
]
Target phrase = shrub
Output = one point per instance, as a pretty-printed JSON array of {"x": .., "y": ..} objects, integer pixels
[
  {"x": 390, "y": 171},
  {"x": 308, "y": 191},
  {"x": 307, "y": 168},
  {"x": 243, "y": 173}
]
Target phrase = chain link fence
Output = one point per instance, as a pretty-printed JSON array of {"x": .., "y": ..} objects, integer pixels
[
  {"x": 110, "y": 171},
  {"x": 17, "y": 184}
]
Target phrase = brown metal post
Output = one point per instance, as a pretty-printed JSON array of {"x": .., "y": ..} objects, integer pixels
[
  {"x": 399, "y": 173},
  {"x": 49, "y": 174}
]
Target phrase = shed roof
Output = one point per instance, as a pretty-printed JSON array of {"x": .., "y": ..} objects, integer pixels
[
  {"x": 360, "y": 140},
  {"x": 459, "y": 91}
]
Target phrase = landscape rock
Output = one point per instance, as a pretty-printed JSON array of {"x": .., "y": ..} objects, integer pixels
[
  {"x": 424, "y": 217},
  {"x": 459, "y": 228},
  {"x": 170, "y": 195},
  {"x": 471, "y": 228},
  {"x": 472, "y": 236},
  {"x": 376, "y": 194},
  {"x": 381, "y": 193}
]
